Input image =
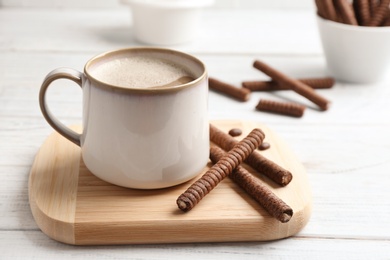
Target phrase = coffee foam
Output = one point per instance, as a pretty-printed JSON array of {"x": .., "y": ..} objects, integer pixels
[{"x": 141, "y": 72}]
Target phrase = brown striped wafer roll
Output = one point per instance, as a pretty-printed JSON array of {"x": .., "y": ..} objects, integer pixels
[
  {"x": 373, "y": 5},
  {"x": 225, "y": 166},
  {"x": 327, "y": 10},
  {"x": 330, "y": 10},
  {"x": 276, "y": 207},
  {"x": 237, "y": 93},
  {"x": 345, "y": 9},
  {"x": 387, "y": 21},
  {"x": 321, "y": 9},
  {"x": 316, "y": 83},
  {"x": 282, "y": 108},
  {"x": 380, "y": 13},
  {"x": 293, "y": 84},
  {"x": 362, "y": 11},
  {"x": 258, "y": 162},
  {"x": 259, "y": 85}
]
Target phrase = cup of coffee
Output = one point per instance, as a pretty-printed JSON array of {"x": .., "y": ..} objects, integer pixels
[{"x": 144, "y": 120}]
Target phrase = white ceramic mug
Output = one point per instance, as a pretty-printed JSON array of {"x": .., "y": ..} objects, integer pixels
[
  {"x": 143, "y": 138},
  {"x": 356, "y": 54}
]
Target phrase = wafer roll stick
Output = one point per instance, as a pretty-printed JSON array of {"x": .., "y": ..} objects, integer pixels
[
  {"x": 258, "y": 85},
  {"x": 275, "y": 206},
  {"x": 346, "y": 11},
  {"x": 330, "y": 10},
  {"x": 362, "y": 11},
  {"x": 387, "y": 21},
  {"x": 293, "y": 84},
  {"x": 225, "y": 166},
  {"x": 258, "y": 162},
  {"x": 270, "y": 85},
  {"x": 380, "y": 13},
  {"x": 321, "y": 9},
  {"x": 373, "y": 5},
  {"x": 227, "y": 89},
  {"x": 282, "y": 108},
  {"x": 327, "y": 10}
]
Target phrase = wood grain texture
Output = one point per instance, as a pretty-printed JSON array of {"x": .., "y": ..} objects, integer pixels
[
  {"x": 53, "y": 188},
  {"x": 73, "y": 206}
]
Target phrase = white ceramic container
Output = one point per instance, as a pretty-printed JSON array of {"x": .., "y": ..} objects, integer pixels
[
  {"x": 166, "y": 22},
  {"x": 355, "y": 54}
]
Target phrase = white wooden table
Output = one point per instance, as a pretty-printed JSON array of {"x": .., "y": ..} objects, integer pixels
[{"x": 346, "y": 150}]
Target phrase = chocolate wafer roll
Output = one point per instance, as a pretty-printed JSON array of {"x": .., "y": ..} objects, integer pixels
[
  {"x": 227, "y": 89},
  {"x": 321, "y": 9},
  {"x": 318, "y": 83},
  {"x": 275, "y": 206},
  {"x": 387, "y": 21},
  {"x": 330, "y": 10},
  {"x": 282, "y": 108},
  {"x": 225, "y": 166},
  {"x": 271, "y": 85},
  {"x": 380, "y": 13},
  {"x": 362, "y": 11},
  {"x": 346, "y": 11},
  {"x": 258, "y": 85},
  {"x": 327, "y": 10},
  {"x": 258, "y": 162},
  {"x": 293, "y": 84},
  {"x": 373, "y": 5}
]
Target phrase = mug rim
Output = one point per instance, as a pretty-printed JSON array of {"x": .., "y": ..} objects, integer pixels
[{"x": 165, "y": 89}]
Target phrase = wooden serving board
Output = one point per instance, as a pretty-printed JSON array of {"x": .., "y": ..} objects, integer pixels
[{"x": 73, "y": 206}]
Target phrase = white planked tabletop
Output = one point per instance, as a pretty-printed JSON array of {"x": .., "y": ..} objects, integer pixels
[{"x": 345, "y": 150}]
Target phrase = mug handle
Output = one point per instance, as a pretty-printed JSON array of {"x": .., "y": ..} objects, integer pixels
[{"x": 60, "y": 73}]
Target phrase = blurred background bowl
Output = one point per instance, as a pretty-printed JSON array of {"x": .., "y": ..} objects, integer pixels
[
  {"x": 355, "y": 54},
  {"x": 166, "y": 22}
]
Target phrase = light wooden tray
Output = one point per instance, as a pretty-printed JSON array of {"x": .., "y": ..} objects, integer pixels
[{"x": 73, "y": 206}]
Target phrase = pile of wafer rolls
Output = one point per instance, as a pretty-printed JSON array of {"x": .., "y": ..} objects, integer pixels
[
  {"x": 227, "y": 154},
  {"x": 279, "y": 81},
  {"x": 355, "y": 12}
]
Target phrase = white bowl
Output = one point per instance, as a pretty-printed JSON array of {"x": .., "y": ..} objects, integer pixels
[
  {"x": 166, "y": 22},
  {"x": 355, "y": 54}
]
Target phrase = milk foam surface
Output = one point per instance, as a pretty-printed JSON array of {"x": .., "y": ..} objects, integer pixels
[{"x": 139, "y": 72}]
